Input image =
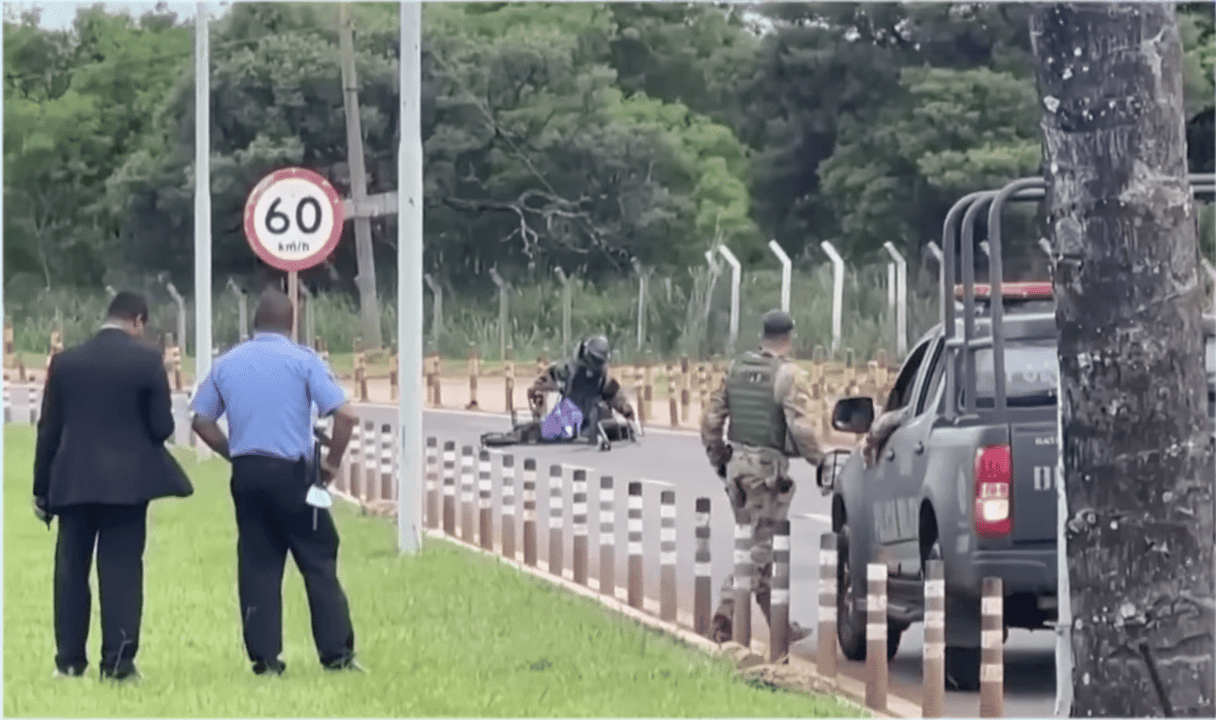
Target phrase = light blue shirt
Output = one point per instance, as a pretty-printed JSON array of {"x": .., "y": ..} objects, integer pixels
[{"x": 268, "y": 387}]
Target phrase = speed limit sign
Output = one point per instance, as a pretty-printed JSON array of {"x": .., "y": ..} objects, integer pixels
[{"x": 293, "y": 219}]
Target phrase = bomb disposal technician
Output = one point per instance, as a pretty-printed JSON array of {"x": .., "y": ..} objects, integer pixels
[{"x": 767, "y": 398}]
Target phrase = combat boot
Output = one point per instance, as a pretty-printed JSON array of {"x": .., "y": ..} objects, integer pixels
[
  {"x": 796, "y": 631},
  {"x": 721, "y": 630}
]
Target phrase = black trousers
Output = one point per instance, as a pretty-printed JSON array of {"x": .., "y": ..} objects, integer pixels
[
  {"x": 273, "y": 519},
  {"x": 119, "y": 533}
]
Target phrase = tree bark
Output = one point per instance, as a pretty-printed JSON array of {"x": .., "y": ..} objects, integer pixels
[{"x": 1136, "y": 446}]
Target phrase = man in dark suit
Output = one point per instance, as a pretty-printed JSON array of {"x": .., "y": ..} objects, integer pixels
[{"x": 100, "y": 459}]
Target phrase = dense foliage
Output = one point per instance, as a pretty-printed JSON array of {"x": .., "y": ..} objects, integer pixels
[{"x": 581, "y": 136}]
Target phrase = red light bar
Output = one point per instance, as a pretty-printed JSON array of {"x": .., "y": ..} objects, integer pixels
[{"x": 1012, "y": 291}]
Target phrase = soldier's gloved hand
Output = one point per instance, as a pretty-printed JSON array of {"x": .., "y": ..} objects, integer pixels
[
  {"x": 722, "y": 471},
  {"x": 783, "y": 485}
]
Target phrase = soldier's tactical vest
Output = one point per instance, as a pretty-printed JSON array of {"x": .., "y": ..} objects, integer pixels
[{"x": 756, "y": 418}]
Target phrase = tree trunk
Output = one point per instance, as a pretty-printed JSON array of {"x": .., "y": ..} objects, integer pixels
[{"x": 1135, "y": 440}]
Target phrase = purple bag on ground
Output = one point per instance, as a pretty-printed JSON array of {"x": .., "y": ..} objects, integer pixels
[{"x": 563, "y": 422}]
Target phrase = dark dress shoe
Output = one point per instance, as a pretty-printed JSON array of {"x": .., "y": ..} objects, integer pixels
[
  {"x": 347, "y": 665},
  {"x": 273, "y": 667},
  {"x": 122, "y": 675}
]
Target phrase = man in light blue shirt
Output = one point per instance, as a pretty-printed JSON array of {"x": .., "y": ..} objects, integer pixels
[{"x": 268, "y": 386}]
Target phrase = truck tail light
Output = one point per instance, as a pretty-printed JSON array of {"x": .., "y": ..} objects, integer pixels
[{"x": 993, "y": 477}]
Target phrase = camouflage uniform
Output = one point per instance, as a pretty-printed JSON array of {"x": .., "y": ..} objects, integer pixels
[{"x": 757, "y": 478}]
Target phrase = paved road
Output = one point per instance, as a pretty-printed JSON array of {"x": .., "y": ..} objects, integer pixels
[{"x": 669, "y": 460}]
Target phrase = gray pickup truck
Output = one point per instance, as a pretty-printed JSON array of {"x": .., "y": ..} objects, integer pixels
[{"x": 969, "y": 474}]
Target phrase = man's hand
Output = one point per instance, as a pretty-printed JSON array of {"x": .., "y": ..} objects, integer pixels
[
  {"x": 40, "y": 510},
  {"x": 329, "y": 472}
]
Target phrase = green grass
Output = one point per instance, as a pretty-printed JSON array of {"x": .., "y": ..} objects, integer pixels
[{"x": 442, "y": 633}]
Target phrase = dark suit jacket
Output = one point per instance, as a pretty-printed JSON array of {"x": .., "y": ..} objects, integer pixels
[{"x": 106, "y": 413}]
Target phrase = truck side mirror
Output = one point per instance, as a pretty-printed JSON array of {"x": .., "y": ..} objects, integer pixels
[{"x": 853, "y": 415}]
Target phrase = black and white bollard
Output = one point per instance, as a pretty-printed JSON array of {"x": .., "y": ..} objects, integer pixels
[
  {"x": 556, "y": 521},
  {"x": 635, "y": 546},
  {"x": 667, "y": 556},
  {"x": 578, "y": 512},
  {"x": 507, "y": 469},
  {"x": 485, "y": 525},
  {"x": 741, "y": 630},
  {"x": 387, "y": 484},
  {"x": 607, "y": 538},
  {"x": 432, "y": 483},
  {"x": 702, "y": 590},
  {"x": 466, "y": 494},
  {"x": 876, "y": 636},
  {"x": 933, "y": 693},
  {"x": 826, "y": 653},
  {"x": 449, "y": 488},
  {"x": 992, "y": 649},
  {"x": 529, "y": 512},
  {"x": 779, "y": 599}
]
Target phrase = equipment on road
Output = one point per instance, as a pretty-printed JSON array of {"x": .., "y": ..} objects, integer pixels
[{"x": 610, "y": 427}]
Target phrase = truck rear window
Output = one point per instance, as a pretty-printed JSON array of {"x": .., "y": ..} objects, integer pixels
[{"x": 1032, "y": 374}]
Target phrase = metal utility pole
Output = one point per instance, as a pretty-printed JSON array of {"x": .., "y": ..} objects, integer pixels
[
  {"x": 837, "y": 292},
  {"x": 637, "y": 266},
  {"x": 202, "y": 201},
  {"x": 409, "y": 283},
  {"x": 787, "y": 267},
  {"x": 736, "y": 271},
  {"x": 901, "y": 297},
  {"x": 369, "y": 305}
]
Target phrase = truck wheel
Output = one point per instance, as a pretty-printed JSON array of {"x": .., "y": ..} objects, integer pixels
[
  {"x": 850, "y": 620},
  {"x": 963, "y": 668}
]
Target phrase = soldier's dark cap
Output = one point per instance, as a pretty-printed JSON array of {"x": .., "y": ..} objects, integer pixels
[{"x": 777, "y": 323}]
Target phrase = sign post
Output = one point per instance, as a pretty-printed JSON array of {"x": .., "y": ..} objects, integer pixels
[{"x": 293, "y": 219}]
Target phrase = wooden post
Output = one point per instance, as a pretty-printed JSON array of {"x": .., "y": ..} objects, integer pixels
[
  {"x": 639, "y": 392},
  {"x": 392, "y": 377},
  {"x": 474, "y": 369},
  {"x": 508, "y": 379},
  {"x": 685, "y": 387},
  {"x": 9, "y": 348},
  {"x": 672, "y": 399},
  {"x": 648, "y": 388}
]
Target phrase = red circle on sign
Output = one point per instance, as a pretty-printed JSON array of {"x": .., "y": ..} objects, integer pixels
[{"x": 335, "y": 204}]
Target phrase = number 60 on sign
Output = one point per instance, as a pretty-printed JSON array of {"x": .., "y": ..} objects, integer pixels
[{"x": 293, "y": 219}]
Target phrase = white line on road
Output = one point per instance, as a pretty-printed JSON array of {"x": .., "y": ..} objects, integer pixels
[
  {"x": 815, "y": 516},
  {"x": 658, "y": 482}
]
